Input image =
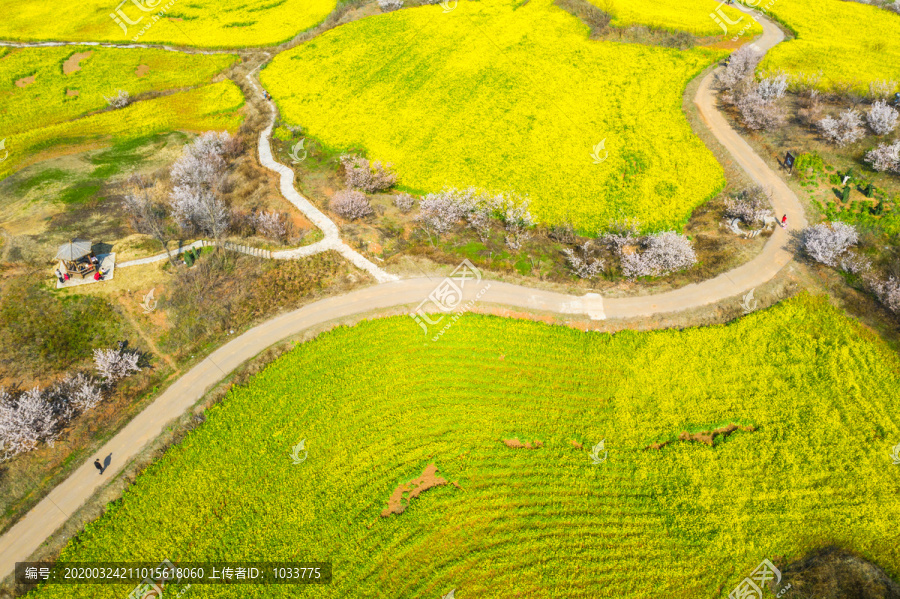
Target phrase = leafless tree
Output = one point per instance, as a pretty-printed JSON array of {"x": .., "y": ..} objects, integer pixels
[{"x": 147, "y": 212}]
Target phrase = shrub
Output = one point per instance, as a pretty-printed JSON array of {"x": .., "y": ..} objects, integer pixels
[
  {"x": 827, "y": 242},
  {"x": 772, "y": 88},
  {"x": 885, "y": 157},
  {"x": 663, "y": 253},
  {"x": 404, "y": 202},
  {"x": 360, "y": 174},
  {"x": 882, "y": 118},
  {"x": 350, "y": 204},
  {"x": 751, "y": 205},
  {"x": 847, "y": 128},
  {"x": 389, "y": 5},
  {"x": 881, "y": 89}
]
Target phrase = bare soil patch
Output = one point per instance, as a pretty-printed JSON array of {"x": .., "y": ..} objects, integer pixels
[
  {"x": 428, "y": 480},
  {"x": 516, "y": 444},
  {"x": 705, "y": 437},
  {"x": 142, "y": 70},
  {"x": 25, "y": 81},
  {"x": 73, "y": 93},
  {"x": 73, "y": 63}
]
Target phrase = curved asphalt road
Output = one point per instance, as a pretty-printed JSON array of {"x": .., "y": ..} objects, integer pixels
[{"x": 53, "y": 511}]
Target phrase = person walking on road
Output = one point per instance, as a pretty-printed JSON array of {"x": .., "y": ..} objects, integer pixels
[
  {"x": 784, "y": 222},
  {"x": 98, "y": 465}
]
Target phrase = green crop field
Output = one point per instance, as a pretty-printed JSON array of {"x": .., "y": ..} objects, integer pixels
[
  {"x": 209, "y": 107},
  {"x": 203, "y": 23},
  {"x": 376, "y": 405},
  {"x": 840, "y": 43},
  {"x": 508, "y": 99},
  {"x": 45, "y": 86}
]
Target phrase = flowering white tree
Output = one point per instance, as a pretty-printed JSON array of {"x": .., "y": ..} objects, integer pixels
[
  {"x": 757, "y": 111},
  {"x": 741, "y": 64},
  {"x": 663, "y": 253},
  {"x": 271, "y": 224},
  {"x": 350, "y": 204},
  {"x": 827, "y": 242},
  {"x": 360, "y": 174},
  {"x": 198, "y": 174},
  {"x": 389, "y": 5},
  {"x": 886, "y": 157},
  {"x": 881, "y": 89},
  {"x": 26, "y": 419},
  {"x": 751, "y": 205},
  {"x": 404, "y": 202},
  {"x": 120, "y": 100},
  {"x": 845, "y": 129},
  {"x": 115, "y": 364},
  {"x": 581, "y": 264},
  {"x": 888, "y": 292},
  {"x": 516, "y": 218},
  {"x": 772, "y": 88},
  {"x": 882, "y": 118}
]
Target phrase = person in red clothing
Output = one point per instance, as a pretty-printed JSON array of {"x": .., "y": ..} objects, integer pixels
[{"x": 784, "y": 221}]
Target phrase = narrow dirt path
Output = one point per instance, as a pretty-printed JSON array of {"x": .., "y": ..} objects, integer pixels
[{"x": 53, "y": 511}]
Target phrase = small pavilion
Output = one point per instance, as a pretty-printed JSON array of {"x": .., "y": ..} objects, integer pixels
[{"x": 75, "y": 258}]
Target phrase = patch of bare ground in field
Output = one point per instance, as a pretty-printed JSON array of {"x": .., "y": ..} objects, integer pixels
[
  {"x": 706, "y": 437},
  {"x": 406, "y": 492},
  {"x": 514, "y": 443}
]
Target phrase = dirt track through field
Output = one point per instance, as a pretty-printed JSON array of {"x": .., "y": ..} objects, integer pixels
[{"x": 52, "y": 512}]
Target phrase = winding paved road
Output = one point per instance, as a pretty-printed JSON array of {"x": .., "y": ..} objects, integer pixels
[{"x": 53, "y": 511}]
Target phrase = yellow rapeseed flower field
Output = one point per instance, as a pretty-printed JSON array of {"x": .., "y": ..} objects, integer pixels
[
  {"x": 508, "y": 99},
  {"x": 201, "y": 23},
  {"x": 815, "y": 395},
  {"x": 44, "y": 86},
  {"x": 210, "y": 107},
  {"x": 843, "y": 43},
  {"x": 692, "y": 16}
]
